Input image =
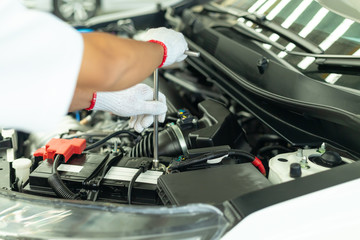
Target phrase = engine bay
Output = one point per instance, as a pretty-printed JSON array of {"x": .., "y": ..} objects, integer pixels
[
  {"x": 210, "y": 151},
  {"x": 212, "y": 148}
]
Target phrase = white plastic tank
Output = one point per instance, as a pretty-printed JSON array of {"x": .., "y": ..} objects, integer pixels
[{"x": 281, "y": 168}]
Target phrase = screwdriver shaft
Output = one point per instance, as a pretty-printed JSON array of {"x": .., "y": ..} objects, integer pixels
[
  {"x": 156, "y": 162},
  {"x": 156, "y": 130},
  {"x": 191, "y": 53}
]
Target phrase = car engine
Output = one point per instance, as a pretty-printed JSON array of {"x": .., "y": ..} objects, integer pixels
[{"x": 211, "y": 149}]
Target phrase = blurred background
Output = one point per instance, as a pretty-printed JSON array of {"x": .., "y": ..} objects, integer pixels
[{"x": 78, "y": 11}]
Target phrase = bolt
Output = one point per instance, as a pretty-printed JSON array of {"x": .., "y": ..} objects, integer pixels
[{"x": 299, "y": 153}]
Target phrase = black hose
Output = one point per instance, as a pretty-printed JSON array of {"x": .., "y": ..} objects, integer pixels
[
  {"x": 203, "y": 158},
  {"x": 60, "y": 188},
  {"x": 57, "y": 184},
  {"x": 105, "y": 139},
  {"x": 246, "y": 120},
  {"x": 235, "y": 152},
  {"x": 131, "y": 184},
  {"x": 280, "y": 148},
  {"x": 267, "y": 138}
]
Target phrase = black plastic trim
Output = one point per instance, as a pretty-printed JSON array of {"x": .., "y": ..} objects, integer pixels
[
  {"x": 254, "y": 201},
  {"x": 300, "y": 109},
  {"x": 285, "y": 33}
]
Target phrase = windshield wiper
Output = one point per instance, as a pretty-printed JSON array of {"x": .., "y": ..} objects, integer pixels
[
  {"x": 338, "y": 62},
  {"x": 327, "y": 60},
  {"x": 315, "y": 52},
  {"x": 263, "y": 22},
  {"x": 321, "y": 59}
]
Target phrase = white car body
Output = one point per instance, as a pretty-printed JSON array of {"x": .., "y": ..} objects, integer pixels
[
  {"x": 105, "y": 5},
  {"x": 44, "y": 5},
  {"x": 330, "y": 213},
  {"x": 77, "y": 12}
]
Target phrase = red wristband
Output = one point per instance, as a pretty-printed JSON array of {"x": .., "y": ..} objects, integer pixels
[
  {"x": 165, "y": 51},
  {"x": 92, "y": 104}
]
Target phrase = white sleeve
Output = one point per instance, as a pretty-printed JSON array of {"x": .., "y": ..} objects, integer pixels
[{"x": 40, "y": 59}]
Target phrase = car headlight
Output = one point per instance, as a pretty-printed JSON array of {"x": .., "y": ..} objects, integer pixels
[{"x": 24, "y": 216}]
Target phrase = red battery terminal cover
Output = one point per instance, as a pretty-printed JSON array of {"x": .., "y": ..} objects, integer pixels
[{"x": 65, "y": 147}]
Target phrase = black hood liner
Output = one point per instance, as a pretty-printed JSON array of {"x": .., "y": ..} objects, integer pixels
[{"x": 301, "y": 109}]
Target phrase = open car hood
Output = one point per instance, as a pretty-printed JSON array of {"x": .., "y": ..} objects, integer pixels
[
  {"x": 245, "y": 131},
  {"x": 347, "y": 8}
]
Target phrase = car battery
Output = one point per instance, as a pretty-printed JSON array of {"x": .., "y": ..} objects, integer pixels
[
  {"x": 73, "y": 173},
  {"x": 116, "y": 182},
  {"x": 82, "y": 169}
]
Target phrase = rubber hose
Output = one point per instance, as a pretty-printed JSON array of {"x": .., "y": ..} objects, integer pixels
[{"x": 60, "y": 188}]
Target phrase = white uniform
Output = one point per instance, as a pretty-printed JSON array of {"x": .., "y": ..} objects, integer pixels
[{"x": 40, "y": 58}]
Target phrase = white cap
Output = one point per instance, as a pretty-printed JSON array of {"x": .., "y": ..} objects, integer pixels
[{"x": 22, "y": 168}]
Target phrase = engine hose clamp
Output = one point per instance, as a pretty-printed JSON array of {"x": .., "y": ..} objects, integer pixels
[{"x": 180, "y": 138}]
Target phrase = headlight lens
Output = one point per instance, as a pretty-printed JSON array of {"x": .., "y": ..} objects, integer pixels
[{"x": 34, "y": 217}]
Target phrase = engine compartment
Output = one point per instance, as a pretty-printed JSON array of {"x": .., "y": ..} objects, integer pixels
[
  {"x": 212, "y": 149},
  {"x": 187, "y": 143}
]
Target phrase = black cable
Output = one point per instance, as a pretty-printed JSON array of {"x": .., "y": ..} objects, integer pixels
[
  {"x": 57, "y": 184},
  {"x": 105, "y": 139},
  {"x": 203, "y": 158},
  {"x": 56, "y": 163},
  {"x": 235, "y": 152},
  {"x": 100, "y": 167},
  {"x": 247, "y": 120},
  {"x": 84, "y": 135},
  {"x": 131, "y": 184}
]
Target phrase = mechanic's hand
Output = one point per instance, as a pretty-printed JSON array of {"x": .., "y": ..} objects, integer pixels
[
  {"x": 173, "y": 42},
  {"x": 135, "y": 102}
]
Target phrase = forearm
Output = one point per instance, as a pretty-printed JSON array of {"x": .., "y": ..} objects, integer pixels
[
  {"x": 81, "y": 99},
  {"x": 111, "y": 63},
  {"x": 113, "y": 66}
]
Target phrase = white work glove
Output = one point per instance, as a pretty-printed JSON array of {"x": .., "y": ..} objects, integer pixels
[
  {"x": 135, "y": 102},
  {"x": 173, "y": 42}
]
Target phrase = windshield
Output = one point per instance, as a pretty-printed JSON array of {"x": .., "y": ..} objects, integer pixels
[
  {"x": 347, "y": 8},
  {"x": 330, "y": 31}
]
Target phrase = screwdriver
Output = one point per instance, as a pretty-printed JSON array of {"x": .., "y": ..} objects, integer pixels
[{"x": 156, "y": 123}]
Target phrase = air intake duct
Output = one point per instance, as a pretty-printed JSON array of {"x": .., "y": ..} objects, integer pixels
[
  {"x": 217, "y": 127},
  {"x": 171, "y": 143}
]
